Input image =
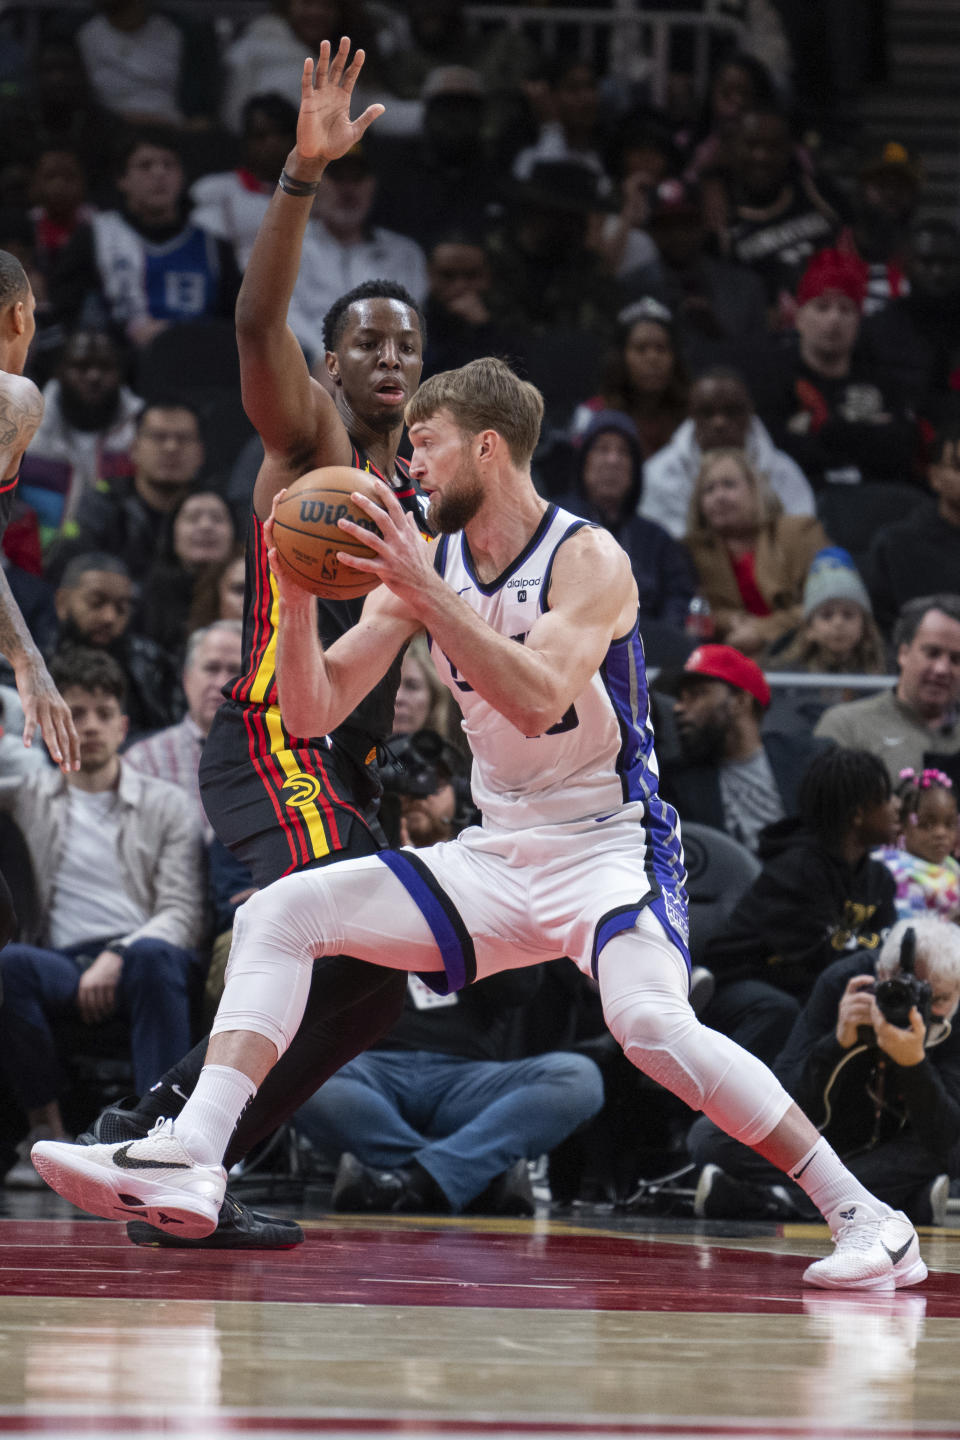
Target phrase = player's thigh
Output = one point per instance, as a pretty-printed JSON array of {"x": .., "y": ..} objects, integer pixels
[{"x": 356, "y": 908}]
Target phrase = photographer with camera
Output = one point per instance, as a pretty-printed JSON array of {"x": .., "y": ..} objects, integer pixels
[
  {"x": 874, "y": 1060},
  {"x": 440, "y": 1116}
]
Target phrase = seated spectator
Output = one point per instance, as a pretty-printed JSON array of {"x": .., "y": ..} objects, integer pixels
[
  {"x": 922, "y": 864},
  {"x": 117, "y": 864},
  {"x": 438, "y": 1116},
  {"x": 914, "y": 342},
  {"x": 828, "y": 410},
  {"x": 212, "y": 660},
  {"x": 146, "y": 266},
  {"x": 218, "y": 593},
  {"x": 460, "y": 321},
  {"x": 86, "y": 434},
  {"x": 231, "y": 203},
  {"x": 423, "y": 701},
  {"x": 914, "y": 726},
  {"x": 777, "y": 214},
  {"x": 268, "y": 56},
  {"x": 60, "y": 106},
  {"x": 569, "y": 110},
  {"x": 721, "y": 417},
  {"x": 545, "y": 274},
  {"x": 750, "y": 559},
  {"x": 842, "y": 1054},
  {"x": 719, "y": 308},
  {"x": 607, "y": 492},
  {"x": 341, "y": 249},
  {"x": 126, "y": 516},
  {"x": 818, "y": 895},
  {"x": 58, "y": 196},
  {"x": 642, "y": 154},
  {"x": 199, "y": 535},
  {"x": 443, "y": 178},
  {"x": 920, "y": 554},
  {"x": 644, "y": 377},
  {"x": 139, "y": 63},
  {"x": 838, "y": 635},
  {"x": 738, "y": 83},
  {"x": 888, "y": 189},
  {"x": 731, "y": 774},
  {"x": 94, "y": 603}
]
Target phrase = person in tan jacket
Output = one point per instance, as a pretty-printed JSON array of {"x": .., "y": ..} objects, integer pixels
[
  {"x": 118, "y": 869},
  {"x": 751, "y": 559}
]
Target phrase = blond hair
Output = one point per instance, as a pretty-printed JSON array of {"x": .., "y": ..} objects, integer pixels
[
  {"x": 768, "y": 505},
  {"x": 484, "y": 395}
]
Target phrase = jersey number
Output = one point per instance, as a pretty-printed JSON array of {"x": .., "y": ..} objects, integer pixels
[{"x": 569, "y": 721}]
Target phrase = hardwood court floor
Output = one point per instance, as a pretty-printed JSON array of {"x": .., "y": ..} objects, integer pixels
[{"x": 455, "y": 1328}]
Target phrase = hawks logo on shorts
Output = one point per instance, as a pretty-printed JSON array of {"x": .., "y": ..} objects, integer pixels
[{"x": 300, "y": 790}]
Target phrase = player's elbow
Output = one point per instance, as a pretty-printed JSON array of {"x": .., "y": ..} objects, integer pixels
[{"x": 534, "y": 719}]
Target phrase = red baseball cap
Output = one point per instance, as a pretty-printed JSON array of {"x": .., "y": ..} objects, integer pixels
[{"x": 722, "y": 662}]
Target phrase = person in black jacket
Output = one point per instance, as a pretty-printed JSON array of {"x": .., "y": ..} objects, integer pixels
[
  {"x": 886, "y": 1096},
  {"x": 818, "y": 896},
  {"x": 607, "y": 492}
]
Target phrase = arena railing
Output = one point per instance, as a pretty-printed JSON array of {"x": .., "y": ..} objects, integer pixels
[{"x": 637, "y": 38}]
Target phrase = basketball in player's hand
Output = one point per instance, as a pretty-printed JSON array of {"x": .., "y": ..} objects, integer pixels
[{"x": 307, "y": 537}]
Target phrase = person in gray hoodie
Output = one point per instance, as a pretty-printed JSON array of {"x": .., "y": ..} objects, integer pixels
[{"x": 721, "y": 416}]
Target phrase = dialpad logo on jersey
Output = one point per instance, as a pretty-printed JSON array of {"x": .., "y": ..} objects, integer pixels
[
  {"x": 303, "y": 790},
  {"x": 523, "y": 585}
]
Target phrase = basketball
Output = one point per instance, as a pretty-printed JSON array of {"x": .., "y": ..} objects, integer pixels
[{"x": 307, "y": 537}]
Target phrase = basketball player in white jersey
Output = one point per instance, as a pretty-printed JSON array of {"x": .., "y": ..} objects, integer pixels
[{"x": 532, "y": 619}]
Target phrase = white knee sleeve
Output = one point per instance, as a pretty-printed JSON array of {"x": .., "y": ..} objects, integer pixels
[
  {"x": 275, "y": 941},
  {"x": 643, "y": 985}
]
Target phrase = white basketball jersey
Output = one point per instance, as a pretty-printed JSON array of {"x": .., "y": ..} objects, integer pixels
[{"x": 599, "y": 756}]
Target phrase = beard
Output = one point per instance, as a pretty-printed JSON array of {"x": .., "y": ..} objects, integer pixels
[
  {"x": 459, "y": 503},
  {"x": 703, "y": 745}
]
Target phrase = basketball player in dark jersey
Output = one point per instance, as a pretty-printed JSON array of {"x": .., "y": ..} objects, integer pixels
[
  {"x": 283, "y": 802},
  {"x": 21, "y": 410}
]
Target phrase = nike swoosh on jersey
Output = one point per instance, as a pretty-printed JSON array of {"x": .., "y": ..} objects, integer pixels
[
  {"x": 897, "y": 1255},
  {"x": 124, "y": 1161}
]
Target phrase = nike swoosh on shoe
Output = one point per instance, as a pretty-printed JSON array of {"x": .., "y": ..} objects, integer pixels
[
  {"x": 124, "y": 1161},
  {"x": 897, "y": 1255}
]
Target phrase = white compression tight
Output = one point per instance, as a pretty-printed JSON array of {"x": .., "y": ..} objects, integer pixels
[{"x": 643, "y": 986}]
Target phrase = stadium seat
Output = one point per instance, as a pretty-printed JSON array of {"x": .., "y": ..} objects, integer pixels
[
  {"x": 719, "y": 870},
  {"x": 852, "y": 514}
]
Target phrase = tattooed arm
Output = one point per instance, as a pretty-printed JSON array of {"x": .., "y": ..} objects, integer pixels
[{"x": 21, "y": 410}]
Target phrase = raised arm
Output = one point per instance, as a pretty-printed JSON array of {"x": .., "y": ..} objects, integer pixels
[
  {"x": 293, "y": 414},
  {"x": 593, "y": 599}
]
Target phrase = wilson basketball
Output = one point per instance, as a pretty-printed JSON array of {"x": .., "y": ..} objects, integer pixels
[{"x": 308, "y": 538}]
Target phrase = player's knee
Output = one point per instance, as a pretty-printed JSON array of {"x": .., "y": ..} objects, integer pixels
[{"x": 654, "y": 1031}]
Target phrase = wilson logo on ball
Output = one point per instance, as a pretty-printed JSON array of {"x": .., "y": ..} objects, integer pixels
[{"x": 315, "y": 512}]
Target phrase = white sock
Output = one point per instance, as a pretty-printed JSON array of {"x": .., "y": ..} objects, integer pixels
[
  {"x": 824, "y": 1177},
  {"x": 207, "y": 1121}
]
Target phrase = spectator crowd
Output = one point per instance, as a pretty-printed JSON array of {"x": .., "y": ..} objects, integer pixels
[{"x": 747, "y": 335}]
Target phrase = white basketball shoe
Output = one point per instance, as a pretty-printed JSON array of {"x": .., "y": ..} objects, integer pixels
[
  {"x": 871, "y": 1252},
  {"x": 154, "y": 1179}
]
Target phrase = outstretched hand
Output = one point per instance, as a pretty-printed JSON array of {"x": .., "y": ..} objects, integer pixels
[
  {"x": 44, "y": 706},
  {"x": 402, "y": 560},
  {"x": 324, "y": 128}
]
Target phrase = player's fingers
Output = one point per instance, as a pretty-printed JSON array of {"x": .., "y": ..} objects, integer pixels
[
  {"x": 339, "y": 62},
  {"x": 29, "y": 720},
  {"x": 353, "y": 70},
  {"x": 358, "y": 562},
  {"x": 306, "y": 79}
]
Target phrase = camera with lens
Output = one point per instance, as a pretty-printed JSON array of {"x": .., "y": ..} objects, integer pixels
[
  {"x": 418, "y": 765},
  {"x": 897, "y": 996}
]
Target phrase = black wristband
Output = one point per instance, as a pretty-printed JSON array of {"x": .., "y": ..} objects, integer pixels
[{"x": 298, "y": 188}]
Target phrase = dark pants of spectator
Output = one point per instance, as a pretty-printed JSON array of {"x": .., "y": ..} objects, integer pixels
[
  {"x": 465, "y": 1121},
  {"x": 757, "y": 1015},
  {"x": 896, "y": 1171},
  {"x": 154, "y": 994}
]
